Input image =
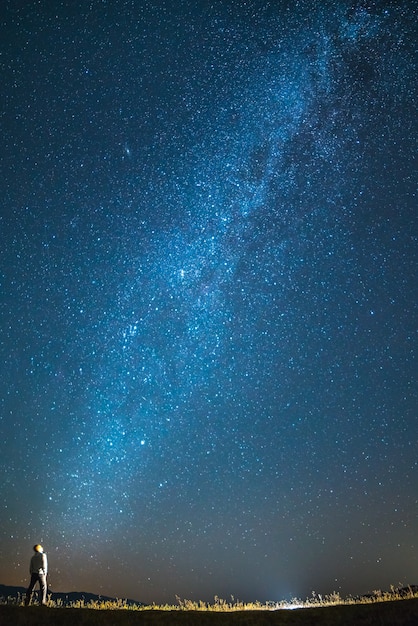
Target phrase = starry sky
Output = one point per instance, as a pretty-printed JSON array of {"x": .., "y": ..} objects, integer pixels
[{"x": 208, "y": 296}]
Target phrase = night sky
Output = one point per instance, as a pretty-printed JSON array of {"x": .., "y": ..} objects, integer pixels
[{"x": 208, "y": 296}]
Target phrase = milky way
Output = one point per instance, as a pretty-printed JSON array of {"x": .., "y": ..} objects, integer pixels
[{"x": 208, "y": 297}]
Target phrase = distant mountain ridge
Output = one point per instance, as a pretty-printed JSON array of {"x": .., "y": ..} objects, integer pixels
[{"x": 8, "y": 591}]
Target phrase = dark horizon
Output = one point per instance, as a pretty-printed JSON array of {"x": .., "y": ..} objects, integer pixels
[
  {"x": 208, "y": 275},
  {"x": 70, "y": 597}
]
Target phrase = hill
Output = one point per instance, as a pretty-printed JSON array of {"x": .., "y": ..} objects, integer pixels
[
  {"x": 388, "y": 613},
  {"x": 65, "y": 598}
]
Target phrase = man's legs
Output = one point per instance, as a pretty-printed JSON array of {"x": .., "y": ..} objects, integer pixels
[
  {"x": 43, "y": 587},
  {"x": 33, "y": 581}
]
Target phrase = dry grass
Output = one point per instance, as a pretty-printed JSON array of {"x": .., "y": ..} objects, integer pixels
[
  {"x": 379, "y": 609},
  {"x": 232, "y": 605}
]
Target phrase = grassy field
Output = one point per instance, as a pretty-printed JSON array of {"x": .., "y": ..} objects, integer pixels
[
  {"x": 369, "y": 612},
  {"x": 393, "y": 613}
]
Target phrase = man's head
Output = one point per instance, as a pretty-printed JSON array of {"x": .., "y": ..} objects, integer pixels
[{"x": 38, "y": 548}]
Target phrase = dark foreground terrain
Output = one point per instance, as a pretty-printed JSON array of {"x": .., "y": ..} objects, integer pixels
[{"x": 393, "y": 613}]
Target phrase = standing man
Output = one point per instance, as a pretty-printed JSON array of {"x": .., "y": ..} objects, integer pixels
[{"x": 38, "y": 571}]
